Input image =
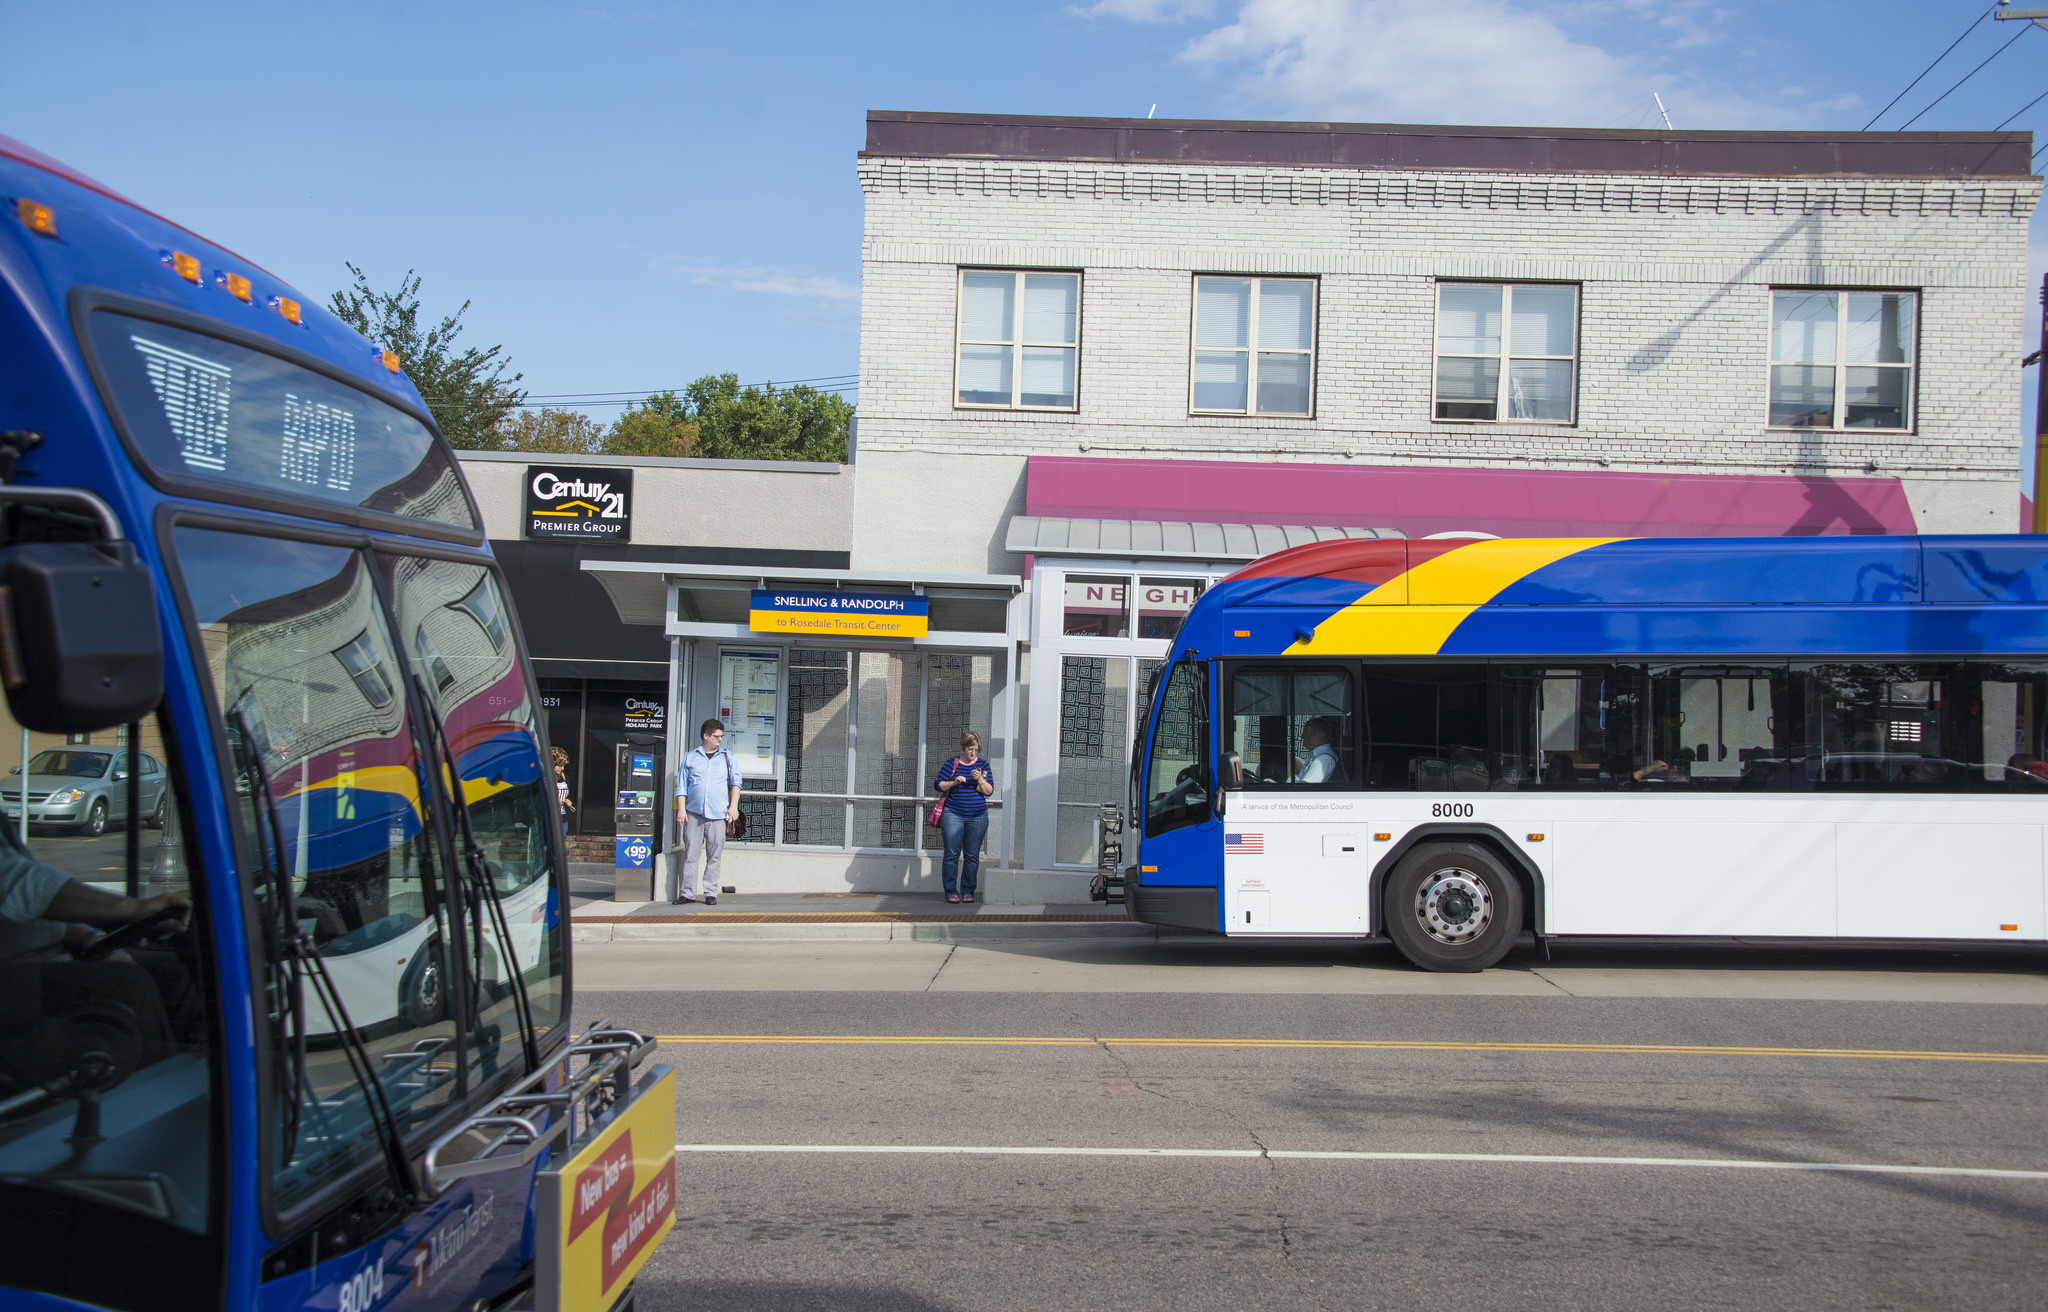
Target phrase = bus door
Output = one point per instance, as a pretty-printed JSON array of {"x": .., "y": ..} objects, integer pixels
[
  {"x": 1294, "y": 859},
  {"x": 1179, "y": 837}
]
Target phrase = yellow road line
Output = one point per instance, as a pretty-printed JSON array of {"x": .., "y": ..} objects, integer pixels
[{"x": 1367, "y": 1045}]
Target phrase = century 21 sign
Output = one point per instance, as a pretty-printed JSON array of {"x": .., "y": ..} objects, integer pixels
[{"x": 577, "y": 501}]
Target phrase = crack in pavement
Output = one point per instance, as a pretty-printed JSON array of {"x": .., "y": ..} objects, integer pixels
[
  {"x": 942, "y": 967},
  {"x": 1266, "y": 1162},
  {"x": 1551, "y": 982}
]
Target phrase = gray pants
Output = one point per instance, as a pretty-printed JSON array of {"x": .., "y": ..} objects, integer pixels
[{"x": 701, "y": 837}]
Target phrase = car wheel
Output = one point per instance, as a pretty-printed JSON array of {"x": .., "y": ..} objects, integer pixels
[
  {"x": 155, "y": 819},
  {"x": 423, "y": 992},
  {"x": 1453, "y": 907},
  {"x": 95, "y": 819}
]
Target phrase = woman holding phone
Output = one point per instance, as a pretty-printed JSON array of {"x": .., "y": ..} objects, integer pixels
[{"x": 966, "y": 783}]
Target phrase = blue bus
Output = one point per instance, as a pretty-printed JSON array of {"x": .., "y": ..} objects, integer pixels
[
  {"x": 1459, "y": 744},
  {"x": 290, "y": 1028}
]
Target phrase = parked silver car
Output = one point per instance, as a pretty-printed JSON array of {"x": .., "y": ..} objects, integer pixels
[{"x": 84, "y": 789}]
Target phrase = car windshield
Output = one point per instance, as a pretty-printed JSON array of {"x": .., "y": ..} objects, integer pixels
[{"x": 78, "y": 765}]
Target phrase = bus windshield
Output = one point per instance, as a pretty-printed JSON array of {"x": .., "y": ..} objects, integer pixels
[{"x": 335, "y": 778}]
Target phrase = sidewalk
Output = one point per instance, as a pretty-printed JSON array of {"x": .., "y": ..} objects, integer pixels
[{"x": 871, "y": 917}]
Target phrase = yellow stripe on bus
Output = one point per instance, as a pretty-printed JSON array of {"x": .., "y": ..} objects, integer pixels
[{"x": 1414, "y": 613}]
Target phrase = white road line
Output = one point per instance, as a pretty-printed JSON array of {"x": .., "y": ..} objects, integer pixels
[{"x": 1534, "y": 1159}]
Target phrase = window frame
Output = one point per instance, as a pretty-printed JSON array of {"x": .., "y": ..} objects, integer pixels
[
  {"x": 1841, "y": 364},
  {"x": 1252, "y": 350},
  {"x": 1224, "y": 733},
  {"x": 1017, "y": 344},
  {"x": 1505, "y": 356}
]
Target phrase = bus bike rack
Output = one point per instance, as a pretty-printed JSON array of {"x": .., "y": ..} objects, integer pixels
[
  {"x": 611, "y": 1055},
  {"x": 1108, "y": 882}
]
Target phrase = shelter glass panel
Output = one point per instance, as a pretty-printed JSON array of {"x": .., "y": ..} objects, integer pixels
[
  {"x": 1094, "y": 738},
  {"x": 815, "y": 748}
]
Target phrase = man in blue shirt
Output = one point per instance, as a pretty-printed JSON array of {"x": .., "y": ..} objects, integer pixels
[{"x": 707, "y": 795}]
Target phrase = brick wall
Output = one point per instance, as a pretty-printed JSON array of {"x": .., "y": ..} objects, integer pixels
[{"x": 1675, "y": 309}]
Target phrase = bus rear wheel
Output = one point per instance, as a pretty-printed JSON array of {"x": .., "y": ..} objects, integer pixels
[{"x": 1453, "y": 907}]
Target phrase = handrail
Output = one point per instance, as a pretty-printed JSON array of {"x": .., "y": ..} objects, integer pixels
[
  {"x": 63, "y": 496},
  {"x": 613, "y": 1053},
  {"x": 763, "y": 794}
]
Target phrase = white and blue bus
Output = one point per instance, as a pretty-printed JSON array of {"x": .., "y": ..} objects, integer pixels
[{"x": 1452, "y": 744}]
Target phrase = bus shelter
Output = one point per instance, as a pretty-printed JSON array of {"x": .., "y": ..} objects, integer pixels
[{"x": 842, "y": 693}]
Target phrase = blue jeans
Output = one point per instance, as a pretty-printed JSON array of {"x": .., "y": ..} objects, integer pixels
[{"x": 963, "y": 834}]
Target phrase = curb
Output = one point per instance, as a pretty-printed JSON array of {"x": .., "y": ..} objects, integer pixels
[{"x": 867, "y": 932}]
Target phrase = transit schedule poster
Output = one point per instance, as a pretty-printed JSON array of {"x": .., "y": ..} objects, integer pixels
[{"x": 749, "y": 690}]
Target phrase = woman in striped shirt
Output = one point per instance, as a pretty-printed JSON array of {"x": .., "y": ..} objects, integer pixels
[{"x": 966, "y": 783}]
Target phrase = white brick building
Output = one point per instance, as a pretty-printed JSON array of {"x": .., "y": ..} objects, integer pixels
[{"x": 1675, "y": 243}]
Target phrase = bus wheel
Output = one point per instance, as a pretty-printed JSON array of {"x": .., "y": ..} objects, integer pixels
[
  {"x": 423, "y": 992},
  {"x": 1453, "y": 906}
]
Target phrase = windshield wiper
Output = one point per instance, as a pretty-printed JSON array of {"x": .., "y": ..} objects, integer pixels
[
  {"x": 294, "y": 948},
  {"x": 483, "y": 889}
]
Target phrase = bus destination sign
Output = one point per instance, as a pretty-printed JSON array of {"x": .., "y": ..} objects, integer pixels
[{"x": 579, "y": 502}]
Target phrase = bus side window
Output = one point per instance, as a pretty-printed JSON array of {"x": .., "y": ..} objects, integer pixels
[
  {"x": 2011, "y": 747},
  {"x": 1293, "y": 724},
  {"x": 1177, "y": 793}
]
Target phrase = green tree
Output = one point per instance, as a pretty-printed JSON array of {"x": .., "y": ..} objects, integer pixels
[
  {"x": 766, "y": 423},
  {"x": 467, "y": 393},
  {"x": 557, "y": 432},
  {"x": 661, "y": 427}
]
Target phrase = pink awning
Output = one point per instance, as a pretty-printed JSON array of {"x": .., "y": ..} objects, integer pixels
[{"x": 1505, "y": 502}]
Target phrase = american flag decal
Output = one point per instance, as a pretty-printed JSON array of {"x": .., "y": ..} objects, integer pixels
[{"x": 1244, "y": 844}]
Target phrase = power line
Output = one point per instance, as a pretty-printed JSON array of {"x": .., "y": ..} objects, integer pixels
[
  {"x": 639, "y": 392},
  {"x": 633, "y": 396},
  {"x": 2023, "y": 109},
  {"x": 1966, "y": 77},
  {"x": 1925, "y": 71}
]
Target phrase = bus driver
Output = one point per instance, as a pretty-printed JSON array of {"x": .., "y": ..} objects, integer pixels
[{"x": 1316, "y": 738}]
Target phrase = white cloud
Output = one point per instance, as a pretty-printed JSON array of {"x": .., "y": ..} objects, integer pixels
[
  {"x": 769, "y": 282},
  {"x": 1481, "y": 61},
  {"x": 1147, "y": 11},
  {"x": 1475, "y": 62}
]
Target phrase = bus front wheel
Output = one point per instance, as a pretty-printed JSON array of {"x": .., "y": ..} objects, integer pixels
[{"x": 1453, "y": 906}]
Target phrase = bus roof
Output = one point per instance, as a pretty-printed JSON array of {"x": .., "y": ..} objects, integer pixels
[
  {"x": 1506, "y": 596},
  {"x": 23, "y": 153}
]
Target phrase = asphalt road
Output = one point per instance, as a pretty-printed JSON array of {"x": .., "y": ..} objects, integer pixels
[{"x": 1837, "y": 1060}]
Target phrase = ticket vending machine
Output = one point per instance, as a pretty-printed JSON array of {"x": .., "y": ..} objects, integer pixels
[{"x": 637, "y": 816}]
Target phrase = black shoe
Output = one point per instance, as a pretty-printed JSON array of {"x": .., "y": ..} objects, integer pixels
[
  {"x": 710, "y": 901},
  {"x": 679, "y": 901}
]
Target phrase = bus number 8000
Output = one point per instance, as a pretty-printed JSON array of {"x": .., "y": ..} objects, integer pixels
[{"x": 1458, "y": 809}]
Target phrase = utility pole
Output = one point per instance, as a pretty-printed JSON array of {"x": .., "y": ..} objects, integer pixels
[
  {"x": 1665, "y": 112},
  {"x": 2040, "y": 524}
]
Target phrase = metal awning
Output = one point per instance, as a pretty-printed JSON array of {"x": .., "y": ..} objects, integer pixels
[{"x": 1139, "y": 538}]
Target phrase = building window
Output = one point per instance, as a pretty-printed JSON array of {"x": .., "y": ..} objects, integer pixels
[
  {"x": 1019, "y": 335},
  {"x": 1254, "y": 346},
  {"x": 1506, "y": 351},
  {"x": 1842, "y": 359}
]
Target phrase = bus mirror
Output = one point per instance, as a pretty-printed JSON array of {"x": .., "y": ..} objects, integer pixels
[{"x": 79, "y": 645}]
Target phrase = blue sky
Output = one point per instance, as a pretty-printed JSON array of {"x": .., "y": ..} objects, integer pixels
[{"x": 633, "y": 194}]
